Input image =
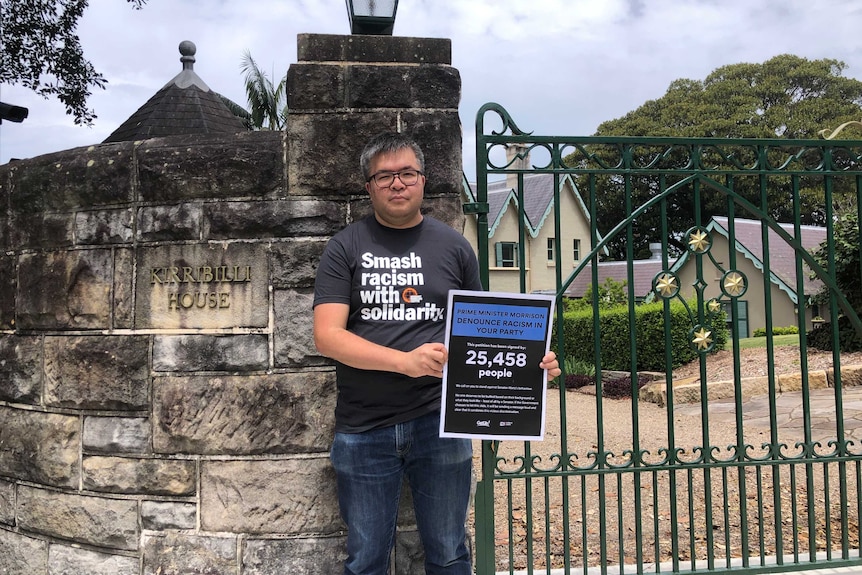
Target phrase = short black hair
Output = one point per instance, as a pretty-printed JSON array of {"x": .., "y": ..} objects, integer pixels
[{"x": 387, "y": 143}]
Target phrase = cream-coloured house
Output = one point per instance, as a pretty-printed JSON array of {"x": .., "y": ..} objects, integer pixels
[
  {"x": 782, "y": 286},
  {"x": 540, "y": 255}
]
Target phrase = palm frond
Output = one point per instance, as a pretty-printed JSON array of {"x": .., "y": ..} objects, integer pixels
[
  {"x": 267, "y": 103},
  {"x": 237, "y": 111}
]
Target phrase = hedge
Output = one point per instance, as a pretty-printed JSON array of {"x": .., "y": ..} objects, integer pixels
[
  {"x": 786, "y": 330},
  {"x": 649, "y": 335}
]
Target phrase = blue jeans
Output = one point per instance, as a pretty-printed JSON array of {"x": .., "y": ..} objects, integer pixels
[{"x": 370, "y": 468}]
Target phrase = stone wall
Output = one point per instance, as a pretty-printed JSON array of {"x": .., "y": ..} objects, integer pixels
[{"x": 162, "y": 406}]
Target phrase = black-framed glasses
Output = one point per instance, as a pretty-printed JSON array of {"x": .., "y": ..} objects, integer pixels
[{"x": 385, "y": 179}]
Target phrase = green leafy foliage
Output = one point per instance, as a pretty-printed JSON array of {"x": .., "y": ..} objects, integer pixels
[
  {"x": 610, "y": 294},
  {"x": 848, "y": 273},
  {"x": 615, "y": 341},
  {"x": 576, "y": 366},
  {"x": 786, "y": 330},
  {"x": 41, "y": 51},
  {"x": 785, "y": 97},
  {"x": 578, "y": 373},
  {"x": 848, "y": 279}
]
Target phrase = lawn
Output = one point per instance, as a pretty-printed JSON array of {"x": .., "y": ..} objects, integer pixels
[{"x": 750, "y": 342}]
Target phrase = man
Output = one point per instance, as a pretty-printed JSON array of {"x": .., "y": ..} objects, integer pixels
[{"x": 379, "y": 303}]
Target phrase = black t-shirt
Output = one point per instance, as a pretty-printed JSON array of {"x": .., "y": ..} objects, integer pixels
[{"x": 396, "y": 282}]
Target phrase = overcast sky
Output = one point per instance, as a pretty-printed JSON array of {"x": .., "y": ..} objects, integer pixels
[{"x": 560, "y": 67}]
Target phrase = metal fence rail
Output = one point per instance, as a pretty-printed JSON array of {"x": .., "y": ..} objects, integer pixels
[{"x": 631, "y": 496}]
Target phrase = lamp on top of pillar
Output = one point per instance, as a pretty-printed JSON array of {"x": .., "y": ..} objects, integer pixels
[
  {"x": 12, "y": 113},
  {"x": 372, "y": 17}
]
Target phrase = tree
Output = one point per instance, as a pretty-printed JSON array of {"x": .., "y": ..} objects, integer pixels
[
  {"x": 786, "y": 97},
  {"x": 267, "y": 103},
  {"x": 848, "y": 273},
  {"x": 41, "y": 51},
  {"x": 610, "y": 294}
]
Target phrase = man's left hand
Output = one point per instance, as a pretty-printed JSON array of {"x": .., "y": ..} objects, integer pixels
[{"x": 550, "y": 363}]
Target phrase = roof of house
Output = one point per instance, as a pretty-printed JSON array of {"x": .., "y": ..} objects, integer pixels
[
  {"x": 538, "y": 200},
  {"x": 782, "y": 255},
  {"x": 782, "y": 259},
  {"x": 185, "y": 105},
  {"x": 643, "y": 273}
]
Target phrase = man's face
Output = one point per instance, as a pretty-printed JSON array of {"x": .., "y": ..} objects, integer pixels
[{"x": 396, "y": 206}]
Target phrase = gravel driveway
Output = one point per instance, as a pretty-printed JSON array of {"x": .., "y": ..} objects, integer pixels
[{"x": 608, "y": 514}]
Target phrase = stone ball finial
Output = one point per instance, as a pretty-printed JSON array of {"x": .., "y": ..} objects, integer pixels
[{"x": 187, "y": 50}]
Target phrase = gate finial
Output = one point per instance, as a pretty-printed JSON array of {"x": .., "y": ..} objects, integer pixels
[{"x": 822, "y": 133}]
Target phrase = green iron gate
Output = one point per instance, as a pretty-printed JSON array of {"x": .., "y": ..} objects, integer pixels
[{"x": 635, "y": 492}]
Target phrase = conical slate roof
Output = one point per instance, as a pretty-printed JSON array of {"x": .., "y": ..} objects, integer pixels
[{"x": 185, "y": 105}]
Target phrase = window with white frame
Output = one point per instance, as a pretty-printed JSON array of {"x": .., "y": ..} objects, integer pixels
[
  {"x": 550, "y": 249},
  {"x": 576, "y": 250}
]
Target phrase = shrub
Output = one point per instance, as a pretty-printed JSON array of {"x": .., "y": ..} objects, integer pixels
[
  {"x": 621, "y": 387},
  {"x": 609, "y": 294},
  {"x": 787, "y": 330},
  {"x": 574, "y": 366},
  {"x": 577, "y": 380},
  {"x": 845, "y": 252},
  {"x": 615, "y": 336},
  {"x": 578, "y": 373},
  {"x": 848, "y": 340},
  {"x": 616, "y": 387}
]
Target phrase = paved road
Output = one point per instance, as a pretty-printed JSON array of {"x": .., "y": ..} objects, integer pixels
[{"x": 790, "y": 413}]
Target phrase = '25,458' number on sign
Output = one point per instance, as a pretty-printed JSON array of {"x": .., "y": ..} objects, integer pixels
[{"x": 507, "y": 359}]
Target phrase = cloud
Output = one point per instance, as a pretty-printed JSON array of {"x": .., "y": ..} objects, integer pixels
[{"x": 560, "y": 67}]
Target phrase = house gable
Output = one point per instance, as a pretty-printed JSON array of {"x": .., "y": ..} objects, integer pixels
[
  {"x": 782, "y": 256},
  {"x": 538, "y": 218}
]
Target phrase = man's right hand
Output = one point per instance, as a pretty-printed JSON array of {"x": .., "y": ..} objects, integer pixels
[
  {"x": 334, "y": 341},
  {"x": 427, "y": 359}
]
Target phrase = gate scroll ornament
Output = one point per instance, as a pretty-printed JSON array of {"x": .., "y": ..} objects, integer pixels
[{"x": 749, "y": 504}]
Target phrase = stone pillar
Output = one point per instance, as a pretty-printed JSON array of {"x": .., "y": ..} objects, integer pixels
[
  {"x": 346, "y": 89},
  {"x": 162, "y": 406},
  {"x": 341, "y": 92}
]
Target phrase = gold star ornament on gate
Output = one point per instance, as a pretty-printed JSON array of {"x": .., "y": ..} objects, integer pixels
[
  {"x": 698, "y": 241},
  {"x": 666, "y": 285},
  {"x": 702, "y": 339},
  {"x": 734, "y": 284}
]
